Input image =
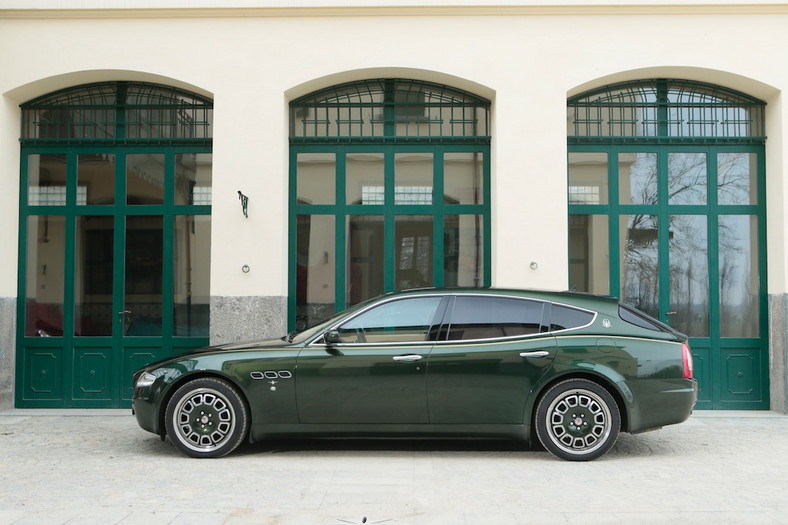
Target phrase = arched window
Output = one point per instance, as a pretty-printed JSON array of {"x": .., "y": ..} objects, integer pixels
[
  {"x": 667, "y": 212},
  {"x": 389, "y": 189},
  {"x": 115, "y": 238}
]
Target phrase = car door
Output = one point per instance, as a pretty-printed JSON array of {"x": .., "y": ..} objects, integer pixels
[
  {"x": 377, "y": 373},
  {"x": 495, "y": 349}
]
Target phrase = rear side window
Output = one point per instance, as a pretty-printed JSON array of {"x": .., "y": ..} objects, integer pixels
[
  {"x": 565, "y": 318},
  {"x": 493, "y": 317},
  {"x": 638, "y": 319}
]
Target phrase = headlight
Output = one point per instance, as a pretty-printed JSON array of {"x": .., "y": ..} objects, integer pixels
[{"x": 145, "y": 380}]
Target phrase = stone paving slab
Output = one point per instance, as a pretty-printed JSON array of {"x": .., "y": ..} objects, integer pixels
[{"x": 99, "y": 467}]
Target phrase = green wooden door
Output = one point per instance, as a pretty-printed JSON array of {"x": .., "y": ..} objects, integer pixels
[
  {"x": 114, "y": 268},
  {"x": 678, "y": 232}
]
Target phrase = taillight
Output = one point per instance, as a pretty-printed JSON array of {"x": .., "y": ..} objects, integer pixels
[{"x": 686, "y": 358}]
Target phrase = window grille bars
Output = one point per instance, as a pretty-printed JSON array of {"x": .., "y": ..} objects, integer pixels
[
  {"x": 662, "y": 110},
  {"x": 389, "y": 110},
  {"x": 117, "y": 112}
]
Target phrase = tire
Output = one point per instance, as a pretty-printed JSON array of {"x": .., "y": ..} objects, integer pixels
[
  {"x": 577, "y": 420},
  {"x": 206, "y": 418}
]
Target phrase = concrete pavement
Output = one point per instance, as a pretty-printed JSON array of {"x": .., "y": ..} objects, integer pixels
[{"x": 99, "y": 467}]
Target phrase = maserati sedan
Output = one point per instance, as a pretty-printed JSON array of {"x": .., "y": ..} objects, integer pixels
[{"x": 569, "y": 370}]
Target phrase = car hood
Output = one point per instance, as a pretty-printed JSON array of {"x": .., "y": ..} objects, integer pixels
[{"x": 246, "y": 345}]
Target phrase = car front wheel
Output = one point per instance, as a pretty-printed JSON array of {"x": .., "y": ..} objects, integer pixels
[
  {"x": 577, "y": 420},
  {"x": 206, "y": 418}
]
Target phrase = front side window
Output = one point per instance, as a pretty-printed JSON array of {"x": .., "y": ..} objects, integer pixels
[
  {"x": 493, "y": 317},
  {"x": 400, "y": 321}
]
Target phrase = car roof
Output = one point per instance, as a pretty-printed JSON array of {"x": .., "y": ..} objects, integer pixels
[{"x": 579, "y": 299}]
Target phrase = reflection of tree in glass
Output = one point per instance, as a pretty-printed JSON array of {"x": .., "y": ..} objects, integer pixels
[
  {"x": 738, "y": 307},
  {"x": 640, "y": 279},
  {"x": 687, "y": 179},
  {"x": 689, "y": 274},
  {"x": 733, "y": 178}
]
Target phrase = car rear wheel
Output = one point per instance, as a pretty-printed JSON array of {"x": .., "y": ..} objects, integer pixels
[
  {"x": 577, "y": 420},
  {"x": 206, "y": 418}
]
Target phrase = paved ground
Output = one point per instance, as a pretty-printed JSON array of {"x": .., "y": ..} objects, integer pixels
[{"x": 99, "y": 467}]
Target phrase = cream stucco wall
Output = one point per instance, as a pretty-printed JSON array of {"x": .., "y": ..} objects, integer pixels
[{"x": 527, "y": 61}]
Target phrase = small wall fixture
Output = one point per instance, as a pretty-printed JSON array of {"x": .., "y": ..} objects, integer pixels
[
  {"x": 244, "y": 203},
  {"x": 534, "y": 266},
  {"x": 245, "y": 268}
]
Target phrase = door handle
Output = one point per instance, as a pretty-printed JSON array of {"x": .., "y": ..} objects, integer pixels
[
  {"x": 538, "y": 353},
  {"x": 407, "y": 358}
]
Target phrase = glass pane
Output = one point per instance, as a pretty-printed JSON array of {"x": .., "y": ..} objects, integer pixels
[
  {"x": 93, "y": 276},
  {"x": 640, "y": 263},
  {"x": 145, "y": 178},
  {"x": 463, "y": 174},
  {"x": 406, "y": 320},
  {"x": 687, "y": 178},
  {"x": 689, "y": 275},
  {"x": 315, "y": 269},
  {"x": 193, "y": 178},
  {"x": 414, "y": 244},
  {"x": 566, "y": 318},
  {"x": 736, "y": 178},
  {"x": 739, "y": 280},
  {"x": 463, "y": 250},
  {"x": 413, "y": 178},
  {"x": 316, "y": 178},
  {"x": 191, "y": 275},
  {"x": 143, "y": 283},
  {"x": 488, "y": 317},
  {"x": 45, "y": 276},
  {"x": 364, "y": 277},
  {"x": 589, "y": 254},
  {"x": 46, "y": 180},
  {"x": 588, "y": 178},
  {"x": 364, "y": 178},
  {"x": 637, "y": 178},
  {"x": 96, "y": 179}
]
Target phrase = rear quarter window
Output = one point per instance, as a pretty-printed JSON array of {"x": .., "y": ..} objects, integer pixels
[
  {"x": 566, "y": 318},
  {"x": 638, "y": 319}
]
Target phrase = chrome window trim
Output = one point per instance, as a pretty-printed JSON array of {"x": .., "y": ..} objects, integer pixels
[{"x": 315, "y": 342}]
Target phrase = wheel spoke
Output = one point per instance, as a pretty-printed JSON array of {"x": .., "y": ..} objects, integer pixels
[
  {"x": 204, "y": 419},
  {"x": 579, "y": 421}
]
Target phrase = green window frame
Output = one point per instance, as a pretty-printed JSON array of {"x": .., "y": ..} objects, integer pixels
[
  {"x": 636, "y": 198},
  {"x": 389, "y": 123},
  {"x": 124, "y": 169}
]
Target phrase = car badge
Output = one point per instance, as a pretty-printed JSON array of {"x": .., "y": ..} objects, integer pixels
[{"x": 606, "y": 323}]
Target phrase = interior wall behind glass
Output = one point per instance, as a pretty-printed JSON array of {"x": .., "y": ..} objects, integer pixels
[
  {"x": 589, "y": 254},
  {"x": 45, "y": 275},
  {"x": 191, "y": 275}
]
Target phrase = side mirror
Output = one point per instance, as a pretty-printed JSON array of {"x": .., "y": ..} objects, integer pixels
[{"x": 332, "y": 337}]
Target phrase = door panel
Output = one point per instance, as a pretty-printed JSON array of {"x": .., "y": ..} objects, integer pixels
[
  {"x": 362, "y": 384},
  {"x": 485, "y": 383},
  {"x": 377, "y": 374},
  {"x": 486, "y": 369},
  {"x": 93, "y": 378}
]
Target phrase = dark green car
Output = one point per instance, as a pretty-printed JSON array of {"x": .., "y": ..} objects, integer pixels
[{"x": 572, "y": 370}]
